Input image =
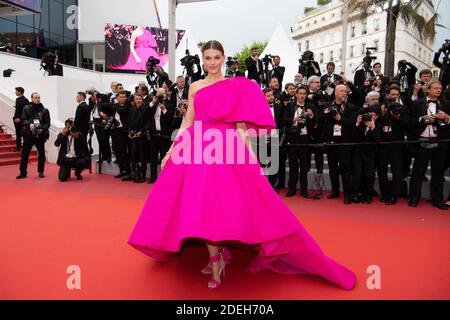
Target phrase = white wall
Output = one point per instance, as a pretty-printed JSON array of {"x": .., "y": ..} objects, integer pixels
[{"x": 94, "y": 15}]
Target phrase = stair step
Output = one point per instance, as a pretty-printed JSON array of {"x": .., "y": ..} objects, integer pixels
[
  {"x": 15, "y": 161},
  {"x": 7, "y": 142},
  {"x": 5, "y": 136},
  {"x": 7, "y": 148},
  {"x": 14, "y": 154}
]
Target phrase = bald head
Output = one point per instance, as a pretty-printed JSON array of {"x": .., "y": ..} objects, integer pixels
[{"x": 340, "y": 93}]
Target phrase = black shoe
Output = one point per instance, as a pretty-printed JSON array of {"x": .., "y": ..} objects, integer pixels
[
  {"x": 120, "y": 175},
  {"x": 391, "y": 201},
  {"x": 333, "y": 195},
  {"x": 108, "y": 160},
  {"x": 356, "y": 199},
  {"x": 127, "y": 178},
  {"x": 383, "y": 199},
  {"x": 317, "y": 196},
  {"x": 79, "y": 177},
  {"x": 413, "y": 203},
  {"x": 305, "y": 195},
  {"x": 440, "y": 205},
  {"x": 290, "y": 193},
  {"x": 347, "y": 200},
  {"x": 41, "y": 175},
  {"x": 368, "y": 199},
  {"x": 151, "y": 181},
  {"x": 139, "y": 181},
  {"x": 21, "y": 176}
]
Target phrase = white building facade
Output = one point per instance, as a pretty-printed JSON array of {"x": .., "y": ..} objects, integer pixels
[{"x": 321, "y": 32}]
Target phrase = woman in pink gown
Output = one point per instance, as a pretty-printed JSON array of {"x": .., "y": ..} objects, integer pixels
[
  {"x": 142, "y": 46},
  {"x": 217, "y": 197}
]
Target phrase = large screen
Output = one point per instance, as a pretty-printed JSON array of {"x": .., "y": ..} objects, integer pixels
[
  {"x": 128, "y": 48},
  {"x": 32, "y": 5}
]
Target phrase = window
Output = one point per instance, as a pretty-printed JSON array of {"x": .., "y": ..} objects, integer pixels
[
  {"x": 307, "y": 45},
  {"x": 315, "y": 21},
  {"x": 352, "y": 31},
  {"x": 331, "y": 55},
  {"x": 376, "y": 23},
  {"x": 420, "y": 52},
  {"x": 363, "y": 49},
  {"x": 321, "y": 57},
  {"x": 340, "y": 53},
  {"x": 323, "y": 19},
  {"x": 352, "y": 51},
  {"x": 364, "y": 28},
  {"x": 376, "y": 44},
  {"x": 300, "y": 46},
  {"x": 307, "y": 25}
]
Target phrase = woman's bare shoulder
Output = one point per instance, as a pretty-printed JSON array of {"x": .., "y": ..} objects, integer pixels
[{"x": 195, "y": 86}]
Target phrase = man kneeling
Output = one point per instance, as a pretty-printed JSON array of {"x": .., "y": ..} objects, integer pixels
[{"x": 73, "y": 151}]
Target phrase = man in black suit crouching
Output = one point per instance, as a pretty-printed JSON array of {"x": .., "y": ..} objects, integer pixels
[{"x": 73, "y": 151}]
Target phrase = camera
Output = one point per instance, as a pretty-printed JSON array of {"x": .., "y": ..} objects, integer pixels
[
  {"x": 446, "y": 46},
  {"x": 189, "y": 61},
  {"x": 331, "y": 111},
  {"x": 267, "y": 59},
  {"x": 152, "y": 62},
  {"x": 307, "y": 58},
  {"x": 48, "y": 61},
  {"x": 366, "y": 117},
  {"x": 395, "y": 107},
  {"x": 111, "y": 123}
]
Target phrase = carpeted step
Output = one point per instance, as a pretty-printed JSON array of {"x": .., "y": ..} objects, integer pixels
[
  {"x": 14, "y": 154},
  {"x": 5, "y": 136},
  {"x": 16, "y": 161},
  {"x": 7, "y": 147}
]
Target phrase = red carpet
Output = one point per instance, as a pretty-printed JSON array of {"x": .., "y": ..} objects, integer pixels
[{"x": 46, "y": 226}]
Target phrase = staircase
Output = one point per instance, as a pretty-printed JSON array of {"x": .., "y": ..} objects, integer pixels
[{"x": 8, "y": 155}]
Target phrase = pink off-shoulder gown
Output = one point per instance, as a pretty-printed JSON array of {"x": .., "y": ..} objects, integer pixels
[{"x": 227, "y": 201}]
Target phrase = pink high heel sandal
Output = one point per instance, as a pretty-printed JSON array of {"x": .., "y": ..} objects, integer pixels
[
  {"x": 226, "y": 258},
  {"x": 214, "y": 284}
]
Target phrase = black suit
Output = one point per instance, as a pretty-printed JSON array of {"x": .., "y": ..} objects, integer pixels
[
  {"x": 424, "y": 154},
  {"x": 392, "y": 129},
  {"x": 138, "y": 121},
  {"x": 339, "y": 157},
  {"x": 254, "y": 72},
  {"x": 58, "y": 70},
  {"x": 119, "y": 137},
  {"x": 82, "y": 117},
  {"x": 160, "y": 139},
  {"x": 66, "y": 164},
  {"x": 31, "y": 113},
  {"x": 176, "y": 93},
  {"x": 361, "y": 76},
  {"x": 161, "y": 78},
  {"x": 299, "y": 156},
  {"x": 278, "y": 72},
  {"x": 20, "y": 103},
  {"x": 308, "y": 71}
]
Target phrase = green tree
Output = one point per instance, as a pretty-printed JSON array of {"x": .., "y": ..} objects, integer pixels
[
  {"x": 201, "y": 44},
  {"x": 246, "y": 52},
  {"x": 409, "y": 12}
]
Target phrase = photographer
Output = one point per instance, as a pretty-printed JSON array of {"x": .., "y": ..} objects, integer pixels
[
  {"x": 444, "y": 75},
  {"x": 180, "y": 92},
  {"x": 100, "y": 119},
  {"x": 180, "y": 113},
  {"x": 364, "y": 74},
  {"x": 367, "y": 129},
  {"x": 406, "y": 75},
  {"x": 138, "y": 125},
  {"x": 277, "y": 70},
  {"x": 418, "y": 91},
  {"x": 161, "y": 76},
  {"x": 393, "y": 128},
  {"x": 21, "y": 101},
  {"x": 144, "y": 92},
  {"x": 327, "y": 80},
  {"x": 338, "y": 119},
  {"x": 429, "y": 122},
  {"x": 254, "y": 66},
  {"x": 192, "y": 67},
  {"x": 381, "y": 82},
  {"x": 59, "y": 70},
  {"x": 233, "y": 69},
  {"x": 299, "y": 120},
  {"x": 288, "y": 95},
  {"x": 73, "y": 151},
  {"x": 82, "y": 114},
  {"x": 308, "y": 67},
  {"x": 119, "y": 135},
  {"x": 48, "y": 63},
  {"x": 161, "y": 116},
  {"x": 299, "y": 80},
  {"x": 35, "y": 132},
  {"x": 275, "y": 86}
]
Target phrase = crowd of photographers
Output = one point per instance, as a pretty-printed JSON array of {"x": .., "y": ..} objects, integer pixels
[{"x": 364, "y": 126}]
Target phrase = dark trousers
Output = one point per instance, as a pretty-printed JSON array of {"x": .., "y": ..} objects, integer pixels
[
  {"x": 393, "y": 156},
  {"x": 339, "y": 162},
  {"x": 18, "y": 127},
  {"x": 137, "y": 158},
  {"x": 120, "y": 145},
  {"x": 422, "y": 158},
  {"x": 103, "y": 141},
  {"x": 28, "y": 143},
  {"x": 363, "y": 171},
  {"x": 282, "y": 170},
  {"x": 318, "y": 158},
  {"x": 68, "y": 163},
  {"x": 158, "y": 145},
  {"x": 299, "y": 158}
]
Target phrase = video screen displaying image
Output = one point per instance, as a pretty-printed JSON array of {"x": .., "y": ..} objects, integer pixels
[{"x": 128, "y": 48}]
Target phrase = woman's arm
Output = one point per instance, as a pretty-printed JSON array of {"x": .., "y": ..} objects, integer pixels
[
  {"x": 242, "y": 130},
  {"x": 132, "y": 49}
]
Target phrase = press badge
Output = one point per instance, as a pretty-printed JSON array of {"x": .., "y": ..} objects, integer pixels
[
  {"x": 387, "y": 129},
  {"x": 337, "y": 130}
]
